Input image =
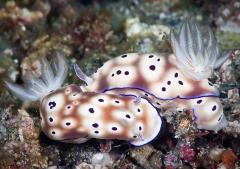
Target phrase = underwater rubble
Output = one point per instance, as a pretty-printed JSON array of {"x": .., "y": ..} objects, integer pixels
[{"x": 90, "y": 33}]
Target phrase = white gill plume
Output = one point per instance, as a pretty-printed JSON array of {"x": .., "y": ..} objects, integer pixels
[
  {"x": 35, "y": 88},
  {"x": 197, "y": 53}
]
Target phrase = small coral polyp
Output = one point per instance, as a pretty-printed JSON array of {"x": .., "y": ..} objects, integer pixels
[{"x": 121, "y": 99}]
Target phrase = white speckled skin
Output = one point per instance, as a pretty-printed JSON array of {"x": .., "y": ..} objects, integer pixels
[
  {"x": 157, "y": 78},
  {"x": 70, "y": 115}
]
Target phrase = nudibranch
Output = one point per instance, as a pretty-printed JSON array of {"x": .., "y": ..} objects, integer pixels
[
  {"x": 71, "y": 115},
  {"x": 180, "y": 77}
]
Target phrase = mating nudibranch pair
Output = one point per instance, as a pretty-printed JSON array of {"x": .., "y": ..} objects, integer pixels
[{"x": 120, "y": 100}]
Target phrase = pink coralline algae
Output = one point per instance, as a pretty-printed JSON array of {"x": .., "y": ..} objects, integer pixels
[
  {"x": 171, "y": 160},
  {"x": 95, "y": 32},
  {"x": 187, "y": 153}
]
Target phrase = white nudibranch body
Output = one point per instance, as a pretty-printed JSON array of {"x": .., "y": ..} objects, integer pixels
[
  {"x": 70, "y": 115},
  {"x": 158, "y": 78}
]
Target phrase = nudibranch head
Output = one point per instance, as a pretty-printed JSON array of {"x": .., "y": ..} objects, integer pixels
[
  {"x": 54, "y": 111},
  {"x": 197, "y": 54},
  {"x": 70, "y": 115},
  {"x": 35, "y": 88}
]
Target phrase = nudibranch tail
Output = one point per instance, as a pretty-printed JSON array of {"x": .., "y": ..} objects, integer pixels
[
  {"x": 198, "y": 54},
  {"x": 208, "y": 112},
  {"x": 35, "y": 87}
]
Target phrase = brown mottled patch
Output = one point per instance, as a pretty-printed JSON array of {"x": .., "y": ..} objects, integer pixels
[
  {"x": 144, "y": 119},
  {"x": 108, "y": 110},
  {"x": 121, "y": 136},
  {"x": 140, "y": 82},
  {"x": 197, "y": 89},
  {"x": 73, "y": 134},
  {"x": 103, "y": 84}
]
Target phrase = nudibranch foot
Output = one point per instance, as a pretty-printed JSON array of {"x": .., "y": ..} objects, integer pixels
[
  {"x": 222, "y": 123},
  {"x": 76, "y": 141},
  {"x": 36, "y": 87}
]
